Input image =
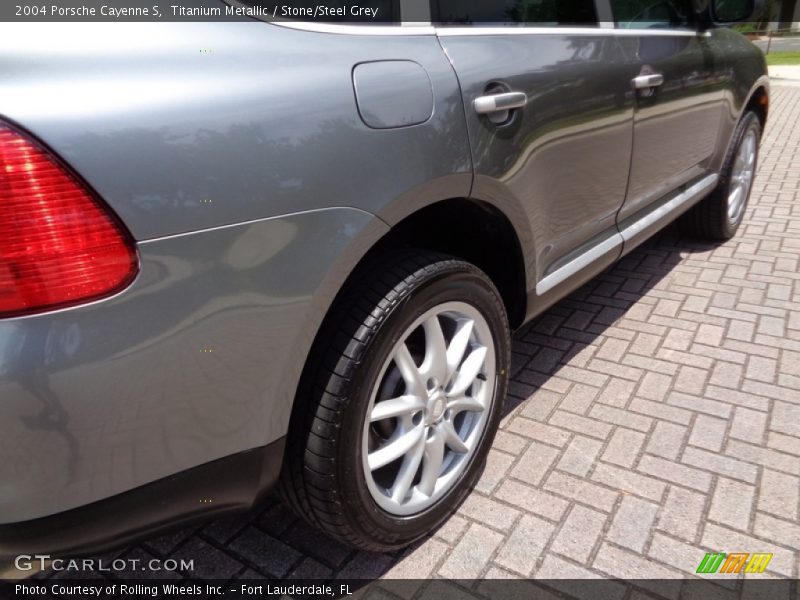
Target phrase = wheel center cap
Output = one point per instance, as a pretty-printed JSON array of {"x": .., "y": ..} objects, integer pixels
[{"x": 436, "y": 406}]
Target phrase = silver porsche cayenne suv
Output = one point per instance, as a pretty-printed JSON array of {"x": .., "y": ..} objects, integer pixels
[{"x": 236, "y": 256}]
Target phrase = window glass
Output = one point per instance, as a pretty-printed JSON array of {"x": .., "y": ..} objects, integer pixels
[
  {"x": 732, "y": 10},
  {"x": 650, "y": 14},
  {"x": 543, "y": 13}
]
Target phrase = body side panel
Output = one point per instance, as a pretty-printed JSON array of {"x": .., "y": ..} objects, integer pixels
[
  {"x": 745, "y": 71},
  {"x": 676, "y": 124},
  {"x": 559, "y": 168},
  {"x": 250, "y": 181},
  {"x": 264, "y": 123},
  {"x": 197, "y": 360}
]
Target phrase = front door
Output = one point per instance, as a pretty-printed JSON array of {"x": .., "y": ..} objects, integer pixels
[{"x": 679, "y": 95}]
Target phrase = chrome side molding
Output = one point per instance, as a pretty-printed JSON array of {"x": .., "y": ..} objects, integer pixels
[
  {"x": 578, "y": 263},
  {"x": 690, "y": 194}
]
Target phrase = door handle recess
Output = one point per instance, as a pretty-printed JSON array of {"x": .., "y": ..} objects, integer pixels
[
  {"x": 499, "y": 102},
  {"x": 643, "y": 82}
]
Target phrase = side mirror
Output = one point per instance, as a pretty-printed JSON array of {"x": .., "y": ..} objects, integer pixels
[
  {"x": 724, "y": 12},
  {"x": 735, "y": 11}
]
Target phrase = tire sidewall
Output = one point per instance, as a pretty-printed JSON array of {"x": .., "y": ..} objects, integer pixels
[{"x": 456, "y": 282}]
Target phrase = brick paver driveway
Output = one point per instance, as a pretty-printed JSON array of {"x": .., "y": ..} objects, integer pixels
[{"x": 653, "y": 416}]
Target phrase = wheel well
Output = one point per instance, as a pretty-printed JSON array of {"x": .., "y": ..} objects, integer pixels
[
  {"x": 475, "y": 232},
  {"x": 759, "y": 104}
]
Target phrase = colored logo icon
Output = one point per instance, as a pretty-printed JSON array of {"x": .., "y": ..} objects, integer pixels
[{"x": 719, "y": 562}]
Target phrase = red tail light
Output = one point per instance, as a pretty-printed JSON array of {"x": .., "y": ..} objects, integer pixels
[{"x": 59, "y": 245}]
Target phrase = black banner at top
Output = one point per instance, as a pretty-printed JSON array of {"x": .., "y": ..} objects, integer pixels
[
  {"x": 368, "y": 11},
  {"x": 547, "y": 13},
  {"x": 321, "y": 11}
]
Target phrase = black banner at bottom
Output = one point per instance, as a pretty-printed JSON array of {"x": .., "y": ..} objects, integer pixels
[{"x": 721, "y": 588}]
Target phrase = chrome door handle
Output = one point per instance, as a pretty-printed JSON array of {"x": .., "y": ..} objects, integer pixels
[
  {"x": 643, "y": 82},
  {"x": 499, "y": 102}
]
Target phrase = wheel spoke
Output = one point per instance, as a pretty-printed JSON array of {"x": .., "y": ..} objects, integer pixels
[
  {"x": 738, "y": 164},
  {"x": 458, "y": 346},
  {"x": 435, "y": 363},
  {"x": 733, "y": 202},
  {"x": 451, "y": 438},
  {"x": 468, "y": 372},
  {"x": 462, "y": 403},
  {"x": 409, "y": 371},
  {"x": 396, "y": 407},
  {"x": 408, "y": 470},
  {"x": 751, "y": 150},
  {"x": 395, "y": 448},
  {"x": 432, "y": 463}
]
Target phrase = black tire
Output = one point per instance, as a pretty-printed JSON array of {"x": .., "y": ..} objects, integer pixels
[
  {"x": 709, "y": 218},
  {"x": 323, "y": 479}
]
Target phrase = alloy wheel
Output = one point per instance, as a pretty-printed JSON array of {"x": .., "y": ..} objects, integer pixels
[
  {"x": 429, "y": 408},
  {"x": 742, "y": 174}
]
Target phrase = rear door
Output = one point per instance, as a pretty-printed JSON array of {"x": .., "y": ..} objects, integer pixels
[
  {"x": 549, "y": 115},
  {"x": 678, "y": 85}
]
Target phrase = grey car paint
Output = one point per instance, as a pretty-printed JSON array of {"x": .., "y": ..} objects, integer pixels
[
  {"x": 567, "y": 151},
  {"x": 688, "y": 105},
  {"x": 253, "y": 188},
  {"x": 581, "y": 104},
  {"x": 173, "y": 155},
  {"x": 197, "y": 360},
  {"x": 393, "y": 93},
  {"x": 265, "y": 124}
]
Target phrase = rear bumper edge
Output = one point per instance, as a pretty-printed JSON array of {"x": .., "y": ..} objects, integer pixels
[{"x": 230, "y": 484}]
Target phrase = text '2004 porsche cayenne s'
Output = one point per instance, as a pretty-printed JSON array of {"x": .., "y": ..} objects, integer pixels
[{"x": 238, "y": 256}]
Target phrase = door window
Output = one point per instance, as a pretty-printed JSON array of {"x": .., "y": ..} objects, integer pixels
[
  {"x": 650, "y": 14},
  {"x": 542, "y": 13}
]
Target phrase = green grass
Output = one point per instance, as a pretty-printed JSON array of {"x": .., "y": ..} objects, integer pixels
[{"x": 783, "y": 58}]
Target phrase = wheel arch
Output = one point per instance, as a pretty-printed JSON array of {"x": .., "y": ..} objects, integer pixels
[
  {"x": 758, "y": 102},
  {"x": 754, "y": 97},
  {"x": 503, "y": 261},
  {"x": 473, "y": 230},
  {"x": 449, "y": 226}
]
